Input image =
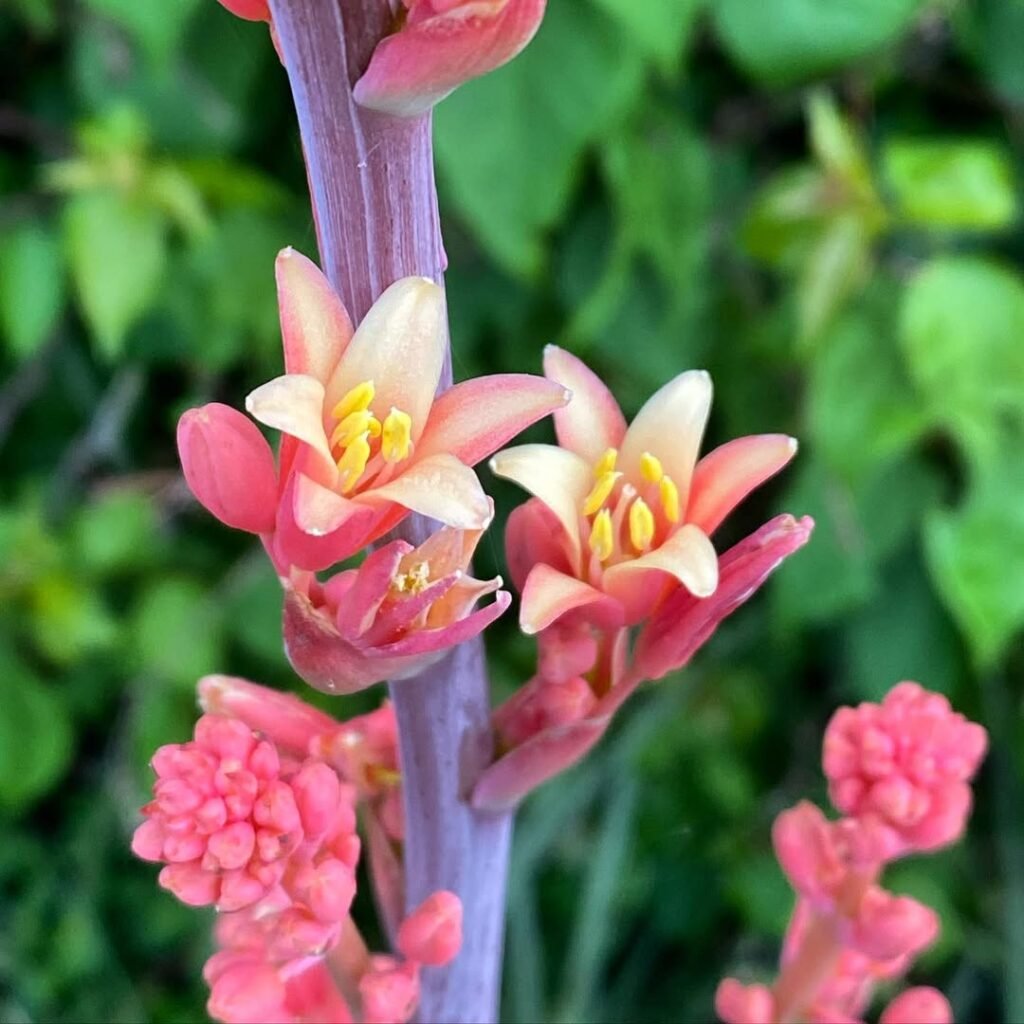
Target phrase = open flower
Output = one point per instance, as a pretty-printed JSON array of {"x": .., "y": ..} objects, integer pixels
[
  {"x": 438, "y": 45},
  {"x": 632, "y": 508},
  {"x": 364, "y": 440},
  {"x": 390, "y": 618}
]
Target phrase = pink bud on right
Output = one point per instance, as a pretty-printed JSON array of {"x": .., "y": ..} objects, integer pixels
[
  {"x": 432, "y": 933},
  {"x": 229, "y": 467}
]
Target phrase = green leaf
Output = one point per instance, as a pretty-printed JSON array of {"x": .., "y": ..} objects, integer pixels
[
  {"x": 118, "y": 531},
  {"x": 961, "y": 330},
  {"x": 790, "y": 40},
  {"x": 253, "y": 609},
  {"x": 994, "y": 33},
  {"x": 857, "y": 429},
  {"x": 760, "y": 891},
  {"x": 116, "y": 248},
  {"x": 787, "y": 217},
  {"x": 660, "y": 27},
  {"x": 35, "y": 736},
  {"x": 70, "y": 618},
  {"x": 157, "y": 28},
  {"x": 836, "y": 143},
  {"x": 975, "y": 553},
  {"x": 31, "y": 287},
  {"x": 960, "y": 184},
  {"x": 508, "y": 144},
  {"x": 178, "y": 632}
]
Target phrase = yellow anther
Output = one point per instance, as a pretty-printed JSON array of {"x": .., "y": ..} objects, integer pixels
[
  {"x": 353, "y": 462},
  {"x": 602, "y": 540},
  {"x": 669, "y": 499},
  {"x": 355, "y": 423},
  {"x": 356, "y": 400},
  {"x": 641, "y": 525},
  {"x": 396, "y": 436},
  {"x": 606, "y": 463},
  {"x": 412, "y": 582},
  {"x": 599, "y": 493},
  {"x": 650, "y": 468}
]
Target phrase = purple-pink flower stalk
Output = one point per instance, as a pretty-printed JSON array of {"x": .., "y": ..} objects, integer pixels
[{"x": 901, "y": 772}]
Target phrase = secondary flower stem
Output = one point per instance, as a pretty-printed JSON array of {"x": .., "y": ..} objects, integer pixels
[{"x": 371, "y": 180}]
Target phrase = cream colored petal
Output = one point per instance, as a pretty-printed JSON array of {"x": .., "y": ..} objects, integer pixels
[
  {"x": 294, "y": 405},
  {"x": 440, "y": 487},
  {"x": 670, "y": 426},
  {"x": 558, "y": 477},
  {"x": 687, "y": 555},
  {"x": 400, "y": 347}
]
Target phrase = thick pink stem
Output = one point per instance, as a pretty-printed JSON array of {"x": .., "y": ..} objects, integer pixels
[{"x": 371, "y": 180}]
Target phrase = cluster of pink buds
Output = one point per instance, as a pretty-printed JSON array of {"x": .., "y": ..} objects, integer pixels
[
  {"x": 257, "y": 816},
  {"x": 616, "y": 539},
  {"x": 434, "y": 46},
  {"x": 901, "y": 772},
  {"x": 364, "y": 443}
]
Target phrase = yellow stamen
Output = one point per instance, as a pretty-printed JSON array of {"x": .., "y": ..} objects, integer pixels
[
  {"x": 353, "y": 461},
  {"x": 669, "y": 499},
  {"x": 599, "y": 493},
  {"x": 606, "y": 463},
  {"x": 602, "y": 540},
  {"x": 641, "y": 525},
  {"x": 414, "y": 581},
  {"x": 356, "y": 400},
  {"x": 396, "y": 436},
  {"x": 650, "y": 468},
  {"x": 355, "y": 423}
]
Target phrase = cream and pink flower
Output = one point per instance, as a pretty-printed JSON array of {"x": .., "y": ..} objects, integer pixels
[
  {"x": 632, "y": 508},
  {"x": 439, "y": 44},
  {"x": 392, "y": 617},
  {"x": 364, "y": 439}
]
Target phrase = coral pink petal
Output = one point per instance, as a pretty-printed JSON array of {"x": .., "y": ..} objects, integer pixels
[
  {"x": 288, "y": 722},
  {"x": 744, "y": 1004},
  {"x": 475, "y": 418},
  {"x": 229, "y": 467},
  {"x": 250, "y": 10},
  {"x": 550, "y": 594},
  {"x": 921, "y": 1005},
  {"x": 439, "y": 487},
  {"x": 533, "y": 535},
  {"x": 558, "y": 477},
  {"x": 432, "y": 933},
  {"x": 318, "y": 510},
  {"x": 687, "y": 556},
  {"x": 592, "y": 422},
  {"x": 400, "y": 347},
  {"x": 724, "y": 477},
  {"x": 539, "y": 759},
  {"x": 670, "y": 426},
  {"x": 372, "y": 581},
  {"x": 684, "y": 623},
  {"x": 315, "y": 326},
  {"x": 430, "y": 56}
]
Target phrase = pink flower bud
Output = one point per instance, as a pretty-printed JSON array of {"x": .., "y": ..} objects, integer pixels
[
  {"x": 229, "y": 467},
  {"x": 736, "y": 1003},
  {"x": 432, "y": 933},
  {"x": 808, "y": 854},
  {"x": 317, "y": 795},
  {"x": 888, "y": 926},
  {"x": 389, "y": 990},
  {"x": 441, "y": 44},
  {"x": 919, "y": 1005},
  {"x": 245, "y": 991},
  {"x": 907, "y": 763}
]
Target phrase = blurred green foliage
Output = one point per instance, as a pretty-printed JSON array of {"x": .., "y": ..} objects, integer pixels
[{"x": 820, "y": 202}]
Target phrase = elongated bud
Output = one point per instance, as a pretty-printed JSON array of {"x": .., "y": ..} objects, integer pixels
[
  {"x": 250, "y": 10},
  {"x": 229, "y": 467},
  {"x": 442, "y": 44},
  {"x": 921, "y": 1005},
  {"x": 432, "y": 933}
]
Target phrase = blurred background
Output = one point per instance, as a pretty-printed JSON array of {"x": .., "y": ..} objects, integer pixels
[{"x": 819, "y": 202}]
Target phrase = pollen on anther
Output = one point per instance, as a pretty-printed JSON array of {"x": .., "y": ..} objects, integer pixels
[
  {"x": 641, "y": 525},
  {"x": 669, "y": 494},
  {"x": 602, "y": 538},
  {"x": 599, "y": 492},
  {"x": 606, "y": 463},
  {"x": 650, "y": 468}
]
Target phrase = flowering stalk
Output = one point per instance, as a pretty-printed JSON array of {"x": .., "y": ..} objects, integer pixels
[{"x": 371, "y": 182}]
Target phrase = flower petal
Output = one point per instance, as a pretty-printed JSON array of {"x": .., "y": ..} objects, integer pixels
[
  {"x": 315, "y": 326},
  {"x": 724, "y": 477},
  {"x": 399, "y": 346},
  {"x": 539, "y": 759},
  {"x": 475, "y": 418},
  {"x": 440, "y": 487},
  {"x": 293, "y": 404},
  {"x": 550, "y": 594},
  {"x": 670, "y": 426},
  {"x": 363, "y": 599},
  {"x": 430, "y": 56},
  {"x": 592, "y": 422},
  {"x": 687, "y": 555},
  {"x": 558, "y": 477},
  {"x": 684, "y": 622}
]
